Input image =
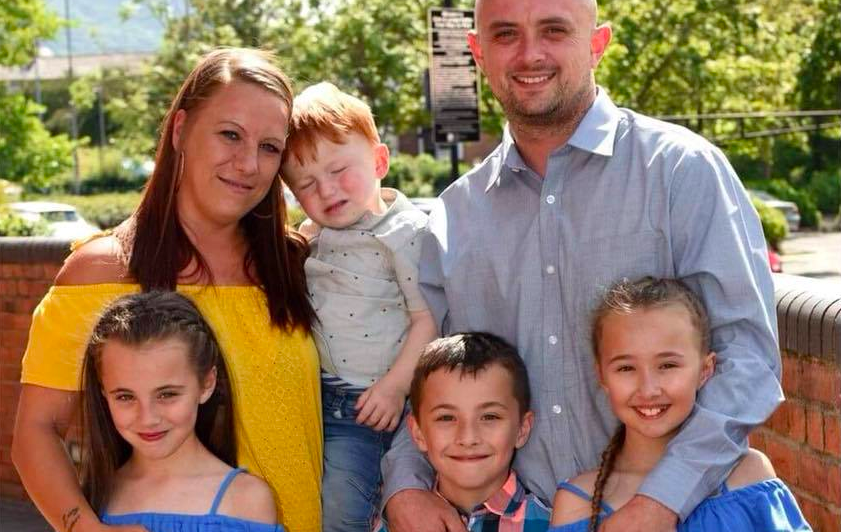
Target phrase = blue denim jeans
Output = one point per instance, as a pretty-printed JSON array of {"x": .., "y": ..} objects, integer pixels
[{"x": 350, "y": 491}]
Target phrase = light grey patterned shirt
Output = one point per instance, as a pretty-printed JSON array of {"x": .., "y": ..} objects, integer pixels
[
  {"x": 528, "y": 258},
  {"x": 363, "y": 282}
]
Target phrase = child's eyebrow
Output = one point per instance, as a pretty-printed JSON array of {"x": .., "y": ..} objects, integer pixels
[
  {"x": 495, "y": 404},
  {"x": 158, "y": 389}
]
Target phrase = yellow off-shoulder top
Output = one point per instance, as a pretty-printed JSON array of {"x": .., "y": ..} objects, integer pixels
[{"x": 274, "y": 374}]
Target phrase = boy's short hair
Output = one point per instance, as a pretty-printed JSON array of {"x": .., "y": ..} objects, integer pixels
[
  {"x": 625, "y": 297},
  {"x": 470, "y": 353},
  {"x": 323, "y": 111}
]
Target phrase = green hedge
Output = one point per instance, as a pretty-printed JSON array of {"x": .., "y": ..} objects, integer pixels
[
  {"x": 825, "y": 188},
  {"x": 773, "y": 223},
  {"x": 11, "y": 224},
  {"x": 420, "y": 176},
  {"x": 810, "y": 216}
]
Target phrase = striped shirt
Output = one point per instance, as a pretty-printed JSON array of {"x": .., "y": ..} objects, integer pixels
[{"x": 511, "y": 509}]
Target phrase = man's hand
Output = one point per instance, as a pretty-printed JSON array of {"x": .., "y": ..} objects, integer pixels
[
  {"x": 381, "y": 405},
  {"x": 642, "y": 514},
  {"x": 415, "y": 510}
]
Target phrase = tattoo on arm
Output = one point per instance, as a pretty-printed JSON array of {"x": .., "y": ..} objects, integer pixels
[{"x": 70, "y": 518}]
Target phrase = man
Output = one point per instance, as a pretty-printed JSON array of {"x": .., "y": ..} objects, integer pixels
[{"x": 578, "y": 195}]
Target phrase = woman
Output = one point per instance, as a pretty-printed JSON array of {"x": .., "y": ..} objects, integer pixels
[{"x": 211, "y": 225}]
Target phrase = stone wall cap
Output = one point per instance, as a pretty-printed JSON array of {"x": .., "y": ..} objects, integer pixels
[{"x": 29, "y": 249}]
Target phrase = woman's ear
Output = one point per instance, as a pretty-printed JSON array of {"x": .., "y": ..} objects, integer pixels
[
  {"x": 707, "y": 368},
  {"x": 208, "y": 386},
  {"x": 178, "y": 129}
]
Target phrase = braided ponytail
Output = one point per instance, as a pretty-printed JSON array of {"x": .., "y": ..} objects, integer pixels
[{"x": 605, "y": 469}]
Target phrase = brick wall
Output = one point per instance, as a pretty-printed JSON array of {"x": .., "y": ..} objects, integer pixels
[
  {"x": 801, "y": 438},
  {"x": 27, "y": 268}
]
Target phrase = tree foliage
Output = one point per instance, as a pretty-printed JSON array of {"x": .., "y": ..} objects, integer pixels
[{"x": 28, "y": 153}]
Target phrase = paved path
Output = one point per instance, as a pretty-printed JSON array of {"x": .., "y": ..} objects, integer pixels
[
  {"x": 813, "y": 254},
  {"x": 20, "y": 516}
]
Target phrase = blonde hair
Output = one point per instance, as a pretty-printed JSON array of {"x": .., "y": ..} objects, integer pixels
[{"x": 323, "y": 111}]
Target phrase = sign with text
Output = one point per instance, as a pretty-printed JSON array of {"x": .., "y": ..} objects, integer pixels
[{"x": 453, "y": 84}]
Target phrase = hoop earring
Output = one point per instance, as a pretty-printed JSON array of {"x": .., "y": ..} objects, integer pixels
[{"x": 180, "y": 174}]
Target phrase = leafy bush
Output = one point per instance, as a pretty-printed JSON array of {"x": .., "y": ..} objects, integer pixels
[
  {"x": 825, "y": 188},
  {"x": 420, "y": 176},
  {"x": 103, "y": 210},
  {"x": 773, "y": 223},
  {"x": 810, "y": 216},
  {"x": 11, "y": 224}
]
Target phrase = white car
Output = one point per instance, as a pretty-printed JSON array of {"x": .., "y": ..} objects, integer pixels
[
  {"x": 63, "y": 219},
  {"x": 788, "y": 208}
]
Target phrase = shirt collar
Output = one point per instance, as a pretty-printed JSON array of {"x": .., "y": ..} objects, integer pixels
[
  {"x": 505, "y": 502},
  {"x": 394, "y": 200},
  {"x": 596, "y": 134}
]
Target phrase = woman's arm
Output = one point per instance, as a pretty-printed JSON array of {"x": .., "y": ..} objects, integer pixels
[{"x": 44, "y": 415}]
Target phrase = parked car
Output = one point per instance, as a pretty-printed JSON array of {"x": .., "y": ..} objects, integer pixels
[
  {"x": 788, "y": 208},
  {"x": 63, "y": 219}
]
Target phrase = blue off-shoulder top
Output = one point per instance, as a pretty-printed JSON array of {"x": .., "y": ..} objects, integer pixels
[
  {"x": 764, "y": 506},
  {"x": 209, "y": 522}
]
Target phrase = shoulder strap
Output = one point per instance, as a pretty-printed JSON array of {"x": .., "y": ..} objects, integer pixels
[
  {"x": 572, "y": 488},
  {"x": 723, "y": 488},
  {"x": 223, "y": 487}
]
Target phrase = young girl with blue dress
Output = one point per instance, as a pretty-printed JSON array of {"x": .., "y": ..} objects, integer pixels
[
  {"x": 158, "y": 442},
  {"x": 651, "y": 342}
]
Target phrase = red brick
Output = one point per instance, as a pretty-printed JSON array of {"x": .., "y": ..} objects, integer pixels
[
  {"x": 821, "y": 382},
  {"x": 791, "y": 376},
  {"x": 832, "y": 434},
  {"x": 10, "y": 287},
  {"x": 8, "y": 473},
  {"x": 796, "y": 421},
  {"x": 814, "y": 428},
  {"x": 14, "y": 339},
  {"x": 11, "y": 271},
  {"x": 833, "y": 485},
  {"x": 33, "y": 271},
  {"x": 783, "y": 458},
  {"x": 821, "y": 518},
  {"x": 51, "y": 270},
  {"x": 12, "y": 491},
  {"x": 25, "y": 306},
  {"x": 813, "y": 475},
  {"x": 9, "y": 372},
  {"x": 778, "y": 422}
]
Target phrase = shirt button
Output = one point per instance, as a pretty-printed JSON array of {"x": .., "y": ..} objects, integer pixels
[
  {"x": 550, "y": 269},
  {"x": 557, "y": 409},
  {"x": 550, "y": 199},
  {"x": 553, "y": 339}
]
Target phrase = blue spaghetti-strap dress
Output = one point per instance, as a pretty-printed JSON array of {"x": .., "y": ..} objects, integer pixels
[
  {"x": 209, "y": 522},
  {"x": 764, "y": 506}
]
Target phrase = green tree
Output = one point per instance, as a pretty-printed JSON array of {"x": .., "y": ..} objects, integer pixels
[{"x": 28, "y": 153}]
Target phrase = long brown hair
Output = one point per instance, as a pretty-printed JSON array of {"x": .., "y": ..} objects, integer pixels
[
  {"x": 625, "y": 297},
  {"x": 154, "y": 240},
  {"x": 135, "y": 320}
]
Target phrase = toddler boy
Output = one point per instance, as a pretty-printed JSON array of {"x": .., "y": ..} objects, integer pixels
[
  {"x": 362, "y": 276},
  {"x": 470, "y": 411}
]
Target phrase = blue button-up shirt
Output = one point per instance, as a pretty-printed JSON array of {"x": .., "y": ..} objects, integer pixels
[{"x": 528, "y": 258}]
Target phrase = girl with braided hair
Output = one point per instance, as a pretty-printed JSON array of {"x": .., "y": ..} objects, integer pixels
[
  {"x": 211, "y": 225},
  {"x": 158, "y": 441},
  {"x": 651, "y": 342}
]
